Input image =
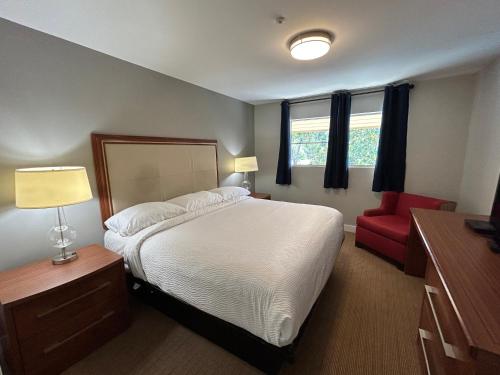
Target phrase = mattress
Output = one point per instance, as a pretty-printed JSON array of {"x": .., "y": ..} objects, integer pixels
[{"x": 257, "y": 264}]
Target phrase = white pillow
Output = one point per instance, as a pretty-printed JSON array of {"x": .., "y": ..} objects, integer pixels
[
  {"x": 196, "y": 201},
  {"x": 231, "y": 192},
  {"x": 133, "y": 219}
]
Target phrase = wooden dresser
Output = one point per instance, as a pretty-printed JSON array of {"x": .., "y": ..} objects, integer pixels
[
  {"x": 459, "y": 330},
  {"x": 53, "y": 315}
]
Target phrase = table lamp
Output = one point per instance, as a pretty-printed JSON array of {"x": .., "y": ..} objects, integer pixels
[
  {"x": 54, "y": 187},
  {"x": 246, "y": 165}
]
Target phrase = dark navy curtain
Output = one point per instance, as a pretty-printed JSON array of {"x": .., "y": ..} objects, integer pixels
[
  {"x": 284, "y": 172},
  {"x": 336, "y": 169},
  {"x": 390, "y": 168}
]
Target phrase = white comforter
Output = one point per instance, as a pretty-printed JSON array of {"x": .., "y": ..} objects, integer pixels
[{"x": 255, "y": 263}]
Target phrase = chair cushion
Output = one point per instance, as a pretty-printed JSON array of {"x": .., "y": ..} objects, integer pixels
[
  {"x": 381, "y": 244},
  {"x": 394, "y": 227}
]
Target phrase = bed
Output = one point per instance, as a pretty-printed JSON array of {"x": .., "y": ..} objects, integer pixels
[{"x": 244, "y": 272}]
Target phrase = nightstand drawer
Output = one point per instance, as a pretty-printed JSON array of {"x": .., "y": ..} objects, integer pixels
[
  {"x": 50, "y": 335},
  {"x": 48, "y": 356},
  {"x": 65, "y": 303}
]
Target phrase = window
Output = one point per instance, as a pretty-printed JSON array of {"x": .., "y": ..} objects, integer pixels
[
  {"x": 310, "y": 139},
  {"x": 364, "y": 133}
]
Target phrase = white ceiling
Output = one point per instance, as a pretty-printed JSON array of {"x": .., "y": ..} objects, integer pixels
[{"x": 234, "y": 47}]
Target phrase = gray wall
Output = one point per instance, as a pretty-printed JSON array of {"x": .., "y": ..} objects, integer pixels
[
  {"x": 53, "y": 94},
  {"x": 437, "y": 135},
  {"x": 482, "y": 162}
]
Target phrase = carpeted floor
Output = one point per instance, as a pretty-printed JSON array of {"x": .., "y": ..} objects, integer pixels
[{"x": 365, "y": 323}]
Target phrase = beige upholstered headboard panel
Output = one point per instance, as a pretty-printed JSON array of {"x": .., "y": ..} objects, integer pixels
[{"x": 132, "y": 170}]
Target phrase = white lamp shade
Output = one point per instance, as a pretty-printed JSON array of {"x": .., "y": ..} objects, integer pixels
[
  {"x": 248, "y": 164},
  {"x": 51, "y": 187}
]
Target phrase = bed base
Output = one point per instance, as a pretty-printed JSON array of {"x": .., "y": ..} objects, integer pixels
[{"x": 252, "y": 349}]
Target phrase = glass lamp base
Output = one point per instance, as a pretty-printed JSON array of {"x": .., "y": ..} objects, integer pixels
[
  {"x": 247, "y": 185},
  {"x": 61, "y": 236},
  {"x": 65, "y": 258},
  {"x": 246, "y": 182}
]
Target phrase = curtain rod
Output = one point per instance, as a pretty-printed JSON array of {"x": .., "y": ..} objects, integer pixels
[{"x": 328, "y": 97}]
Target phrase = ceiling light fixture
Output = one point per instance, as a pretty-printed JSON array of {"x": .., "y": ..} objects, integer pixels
[{"x": 310, "y": 45}]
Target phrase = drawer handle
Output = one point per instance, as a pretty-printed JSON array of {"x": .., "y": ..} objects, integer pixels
[
  {"x": 78, "y": 333},
  {"x": 450, "y": 350},
  {"x": 63, "y": 305},
  {"x": 425, "y": 335}
]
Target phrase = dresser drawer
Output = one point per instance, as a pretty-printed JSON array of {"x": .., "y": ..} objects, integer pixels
[
  {"x": 452, "y": 335},
  {"x": 450, "y": 350},
  {"x": 429, "y": 342},
  {"x": 49, "y": 310},
  {"x": 42, "y": 359}
]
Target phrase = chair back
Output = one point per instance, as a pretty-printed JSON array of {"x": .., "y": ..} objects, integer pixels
[{"x": 407, "y": 201}]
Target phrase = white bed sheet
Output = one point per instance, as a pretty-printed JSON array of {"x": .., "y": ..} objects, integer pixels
[
  {"x": 257, "y": 264},
  {"x": 113, "y": 241}
]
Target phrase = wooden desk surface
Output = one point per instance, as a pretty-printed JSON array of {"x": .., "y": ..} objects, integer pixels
[
  {"x": 469, "y": 270},
  {"x": 35, "y": 278}
]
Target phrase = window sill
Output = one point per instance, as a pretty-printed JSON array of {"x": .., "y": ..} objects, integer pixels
[
  {"x": 361, "y": 167},
  {"x": 308, "y": 166}
]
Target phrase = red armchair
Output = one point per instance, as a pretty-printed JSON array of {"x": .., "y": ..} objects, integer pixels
[{"x": 385, "y": 229}]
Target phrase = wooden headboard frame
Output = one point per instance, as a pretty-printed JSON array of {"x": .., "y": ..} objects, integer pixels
[{"x": 99, "y": 142}]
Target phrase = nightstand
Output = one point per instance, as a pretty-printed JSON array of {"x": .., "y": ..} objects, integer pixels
[
  {"x": 51, "y": 316},
  {"x": 261, "y": 195}
]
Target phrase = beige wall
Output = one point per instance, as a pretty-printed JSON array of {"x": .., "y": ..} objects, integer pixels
[
  {"x": 437, "y": 135},
  {"x": 482, "y": 161},
  {"x": 53, "y": 94},
  {"x": 438, "y": 123}
]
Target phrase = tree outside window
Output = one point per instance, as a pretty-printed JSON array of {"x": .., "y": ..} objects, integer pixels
[{"x": 310, "y": 139}]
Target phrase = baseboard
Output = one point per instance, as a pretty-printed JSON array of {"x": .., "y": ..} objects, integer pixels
[{"x": 350, "y": 228}]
